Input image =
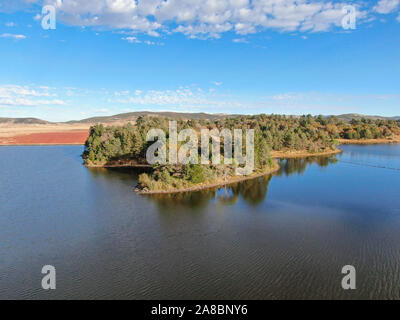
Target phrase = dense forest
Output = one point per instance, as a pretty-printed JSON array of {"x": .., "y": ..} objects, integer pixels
[{"x": 127, "y": 143}]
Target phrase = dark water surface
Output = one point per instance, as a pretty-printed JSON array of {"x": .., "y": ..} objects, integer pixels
[{"x": 286, "y": 236}]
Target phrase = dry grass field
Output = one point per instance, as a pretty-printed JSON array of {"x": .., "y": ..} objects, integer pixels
[{"x": 21, "y": 134}]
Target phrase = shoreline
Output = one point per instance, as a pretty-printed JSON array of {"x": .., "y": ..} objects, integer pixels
[
  {"x": 11, "y": 141},
  {"x": 370, "y": 141},
  {"x": 40, "y": 144},
  {"x": 274, "y": 155},
  {"x": 119, "y": 164},
  {"x": 302, "y": 154},
  {"x": 231, "y": 180},
  {"x": 122, "y": 165}
]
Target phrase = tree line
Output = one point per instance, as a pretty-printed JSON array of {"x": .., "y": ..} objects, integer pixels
[{"x": 311, "y": 134}]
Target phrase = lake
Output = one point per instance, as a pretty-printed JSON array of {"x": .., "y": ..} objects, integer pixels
[{"x": 285, "y": 236}]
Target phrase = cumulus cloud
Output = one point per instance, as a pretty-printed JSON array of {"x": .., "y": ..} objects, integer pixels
[
  {"x": 386, "y": 6},
  {"x": 203, "y": 18},
  {"x": 14, "y": 95}
]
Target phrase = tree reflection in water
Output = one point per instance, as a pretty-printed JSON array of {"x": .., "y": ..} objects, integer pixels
[
  {"x": 187, "y": 200},
  {"x": 299, "y": 165},
  {"x": 253, "y": 191}
]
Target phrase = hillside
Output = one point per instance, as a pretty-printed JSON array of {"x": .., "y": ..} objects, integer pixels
[
  {"x": 17, "y": 131},
  {"x": 132, "y": 116},
  {"x": 349, "y": 116},
  {"x": 22, "y": 121}
]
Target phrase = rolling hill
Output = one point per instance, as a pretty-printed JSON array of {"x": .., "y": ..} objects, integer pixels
[
  {"x": 132, "y": 116},
  {"x": 22, "y": 121}
]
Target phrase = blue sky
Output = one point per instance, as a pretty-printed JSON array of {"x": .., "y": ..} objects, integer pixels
[{"x": 219, "y": 56}]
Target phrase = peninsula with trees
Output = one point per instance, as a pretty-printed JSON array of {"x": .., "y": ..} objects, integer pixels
[{"x": 275, "y": 136}]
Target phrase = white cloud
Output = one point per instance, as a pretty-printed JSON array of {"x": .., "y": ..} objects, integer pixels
[
  {"x": 386, "y": 6},
  {"x": 121, "y": 93},
  {"x": 187, "y": 98},
  {"x": 13, "y": 36},
  {"x": 8, "y": 90},
  {"x": 132, "y": 39},
  {"x": 240, "y": 40},
  {"x": 152, "y": 43},
  {"x": 204, "y": 18},
  {"x": 29, "y": 102},
  {"x": 183, "y": 97},
  {"x": 10, "y": 24},
  {"x": 122, "y": 5},
  {"x": 9, "y": 6},
  {"x": 103, "y": 110},
  {"x": 193, "y": 99},
  {"x": 14, "y": 95}
]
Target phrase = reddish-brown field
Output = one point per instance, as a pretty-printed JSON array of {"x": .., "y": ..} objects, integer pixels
[{"x": 66, "y": 137}]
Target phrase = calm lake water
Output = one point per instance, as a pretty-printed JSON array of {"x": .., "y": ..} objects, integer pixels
[{"x": 285, "y": 236}]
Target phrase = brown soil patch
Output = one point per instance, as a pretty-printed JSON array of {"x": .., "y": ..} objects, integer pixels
[{"x": 50, "y": 138}]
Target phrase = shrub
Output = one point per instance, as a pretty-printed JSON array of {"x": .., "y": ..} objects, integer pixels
[
  {"x": 145, "y": 180},
  {"x": 194, "y": 173}
]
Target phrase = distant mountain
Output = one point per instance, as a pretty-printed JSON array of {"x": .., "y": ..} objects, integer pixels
[
  {"x": 22, "y": 121},
  {"x": 131, "y": 116},
  {"x": 350, "y": 116}
]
